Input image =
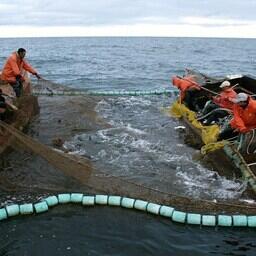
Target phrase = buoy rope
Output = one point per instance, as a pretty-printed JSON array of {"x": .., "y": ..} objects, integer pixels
[
  {"x": 44, "y": 205},
  {"x": 105, "y": 93},
  {"x": 250, "y": 142}
]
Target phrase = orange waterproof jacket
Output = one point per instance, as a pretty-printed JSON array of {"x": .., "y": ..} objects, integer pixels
[
  {"x": 224, "y": 99},
  {"x": 183, "y": 84},
  {"x": 14, "y": 67},
  {"x": 244, "y": 119}
]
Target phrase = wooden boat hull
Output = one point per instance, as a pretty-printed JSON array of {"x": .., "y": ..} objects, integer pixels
[
  {"x": 228, "y": 160},
  {"x": 27, "y": 108}
]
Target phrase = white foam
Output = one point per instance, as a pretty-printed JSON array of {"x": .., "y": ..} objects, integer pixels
[
  {"x": 141, "y": 144},
  {"x": 200, "y": 180},
  {"x": 102, "y": 134},
  {"x": 173, "y": 158},
  {"x": 180, "y": 127},
  {"x": 134, "y": 130},
  {"x": 78, "y": 152},
  {"x": 249, "y": 201}
]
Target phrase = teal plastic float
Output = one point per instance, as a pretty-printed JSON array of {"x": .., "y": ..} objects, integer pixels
[
  {"x": 130, "y": 203},
  {"x": 107, "y": 93},
  {"x": 88, "y": 200},
  {"x": 140, "y": 205},
  {"x": 26, "y": 209}
]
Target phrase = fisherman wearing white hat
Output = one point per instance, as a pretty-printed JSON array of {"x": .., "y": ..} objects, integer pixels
[
  {"x": 224, "y": 100},
  {"x": 244, "y": 119},
  {"x": 225, "y": 84},
  {"x": 241, "y": 98},
  {"x": 244, "y": 113}
]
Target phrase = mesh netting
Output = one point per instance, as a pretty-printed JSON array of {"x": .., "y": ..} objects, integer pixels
[
  {"x": 69, "y": 164},
  {"x": 83, "y": 170},
  {"x": 209, "y": 134}
]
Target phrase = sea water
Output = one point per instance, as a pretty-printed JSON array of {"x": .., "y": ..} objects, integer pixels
[{"x": 141, "y": 145}]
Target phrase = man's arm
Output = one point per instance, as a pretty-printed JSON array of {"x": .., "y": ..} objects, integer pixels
[
  {"x": 14, "y": 66},
  {"x": 237, "y": 122},
  {"x": 29, "y": 68}
]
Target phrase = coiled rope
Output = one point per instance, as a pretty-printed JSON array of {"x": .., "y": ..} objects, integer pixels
[{"x": 130, "y": 203}]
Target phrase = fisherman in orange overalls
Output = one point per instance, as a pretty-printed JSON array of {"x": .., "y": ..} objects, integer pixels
[
  {"x": 188, "y": 88},
  {"x": 220, "y": 102},
  {"x": 244, "y": 119},
  {"x": 244, "y": 111},
  {"x": 13, "y": 71}
]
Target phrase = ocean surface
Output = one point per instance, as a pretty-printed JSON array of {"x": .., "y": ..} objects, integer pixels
[{"x": 139, "y": 144}]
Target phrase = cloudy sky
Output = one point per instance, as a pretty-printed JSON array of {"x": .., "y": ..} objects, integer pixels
[{"x": 211, "y": 18}]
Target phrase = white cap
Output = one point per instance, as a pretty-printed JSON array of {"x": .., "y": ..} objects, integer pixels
[
  {"x": 240, "y": 97},
  {"x": 225, "y": 84}
]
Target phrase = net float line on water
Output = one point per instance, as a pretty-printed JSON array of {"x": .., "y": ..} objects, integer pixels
[{"x": 219, "y": 220}]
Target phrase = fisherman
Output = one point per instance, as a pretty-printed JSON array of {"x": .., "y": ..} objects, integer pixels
[
  {"x": 188, "y": 90},
  {"x": 244, "y": 119},
  {"x": 13, "y": 71},
  {"x": 224, "y": 100}
]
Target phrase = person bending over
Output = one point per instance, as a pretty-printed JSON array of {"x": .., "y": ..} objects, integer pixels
[
  {"x": 189, "y": 90},
  {"x": 244, "y": 119},
  {"x": 13, "y": 71},
  {"x": 223, "y": 100}
]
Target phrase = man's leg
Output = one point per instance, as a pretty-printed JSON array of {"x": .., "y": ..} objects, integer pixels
[
  {"x": 190, "y": 98},
  {"x": 227, "y": 132},
  {"x": 17, "y": 87}
]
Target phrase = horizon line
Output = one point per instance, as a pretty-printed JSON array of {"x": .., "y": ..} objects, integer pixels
[{"x": 131, "y": 36}]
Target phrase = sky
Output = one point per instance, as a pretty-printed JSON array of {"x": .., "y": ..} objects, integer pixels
[{"x": 165, "y": 18}]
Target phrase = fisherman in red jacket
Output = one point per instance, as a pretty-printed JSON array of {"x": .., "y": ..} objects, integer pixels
[
  {"x": 188, "y": 90},
  {"x": 244, "y": 119},
  {"x": 13, "y": 70},
  {"x": 244, "y": 111},
  {"x": 223, "y": 100}
]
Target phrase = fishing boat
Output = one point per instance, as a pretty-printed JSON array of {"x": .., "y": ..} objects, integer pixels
[
  {"x": 27, "y": 107},
  {"x": 232, "y": 156}
]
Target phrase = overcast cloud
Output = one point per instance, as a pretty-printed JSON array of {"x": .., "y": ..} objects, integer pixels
[{"x": 88, "y": 14}]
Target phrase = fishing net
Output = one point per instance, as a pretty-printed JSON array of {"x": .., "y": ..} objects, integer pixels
[
  {"x": 209, "y": 134},
  {"x": 44, "y": 84},
  {"x": 69, "y": 164},
  {"x": 47, "y": 87},
  {"x": 85, "y": 172},
  {"x": 82, "y": 170},
  {"x": 212, "y": 147}
]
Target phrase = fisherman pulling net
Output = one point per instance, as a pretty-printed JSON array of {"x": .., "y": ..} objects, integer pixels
[{"x": 83, "y": 170}]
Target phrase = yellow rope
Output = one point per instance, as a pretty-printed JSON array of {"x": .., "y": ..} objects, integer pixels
[{"x": 209, "y": 134}]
